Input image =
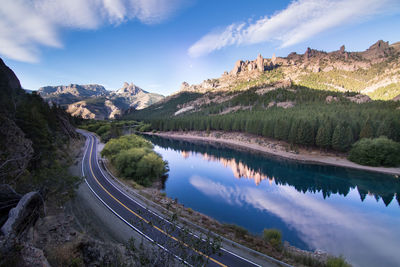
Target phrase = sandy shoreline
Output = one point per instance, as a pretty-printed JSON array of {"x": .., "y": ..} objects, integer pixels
[{"x": 273, "y": 149}]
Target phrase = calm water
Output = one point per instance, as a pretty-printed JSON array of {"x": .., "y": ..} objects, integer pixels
[{"x": 343, "y": 211}]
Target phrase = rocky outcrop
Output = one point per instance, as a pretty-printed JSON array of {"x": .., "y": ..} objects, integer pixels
[
  {"x": 25, "y": 214},
  {"x": 376, "y": 51},
  {"x": 260, "y": 63},
  {"x": 330, "y": 99},
  {"x": 79, "y": 109},
  {"x": 359, "y": 99},
  {"x": 285, "y": 104},
  {"x": 237, "y": 68}
]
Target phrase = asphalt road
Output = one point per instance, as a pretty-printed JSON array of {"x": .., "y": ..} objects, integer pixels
[{"x": 168, "y": 236}]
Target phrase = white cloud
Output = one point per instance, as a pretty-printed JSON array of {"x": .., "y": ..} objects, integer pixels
[
  {"x": 26, "y": 25},
  {"x": 301, "y": 20}
]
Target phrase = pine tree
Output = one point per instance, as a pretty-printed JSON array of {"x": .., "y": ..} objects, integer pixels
[
  {"x": 388, "y": 128},
  {"x": 293, "y": 132},
  {"x": 305, "y": 135},
  {"x": 367, "y": 131},
  {"x": 348, "y": 138},
  {"x": 323, "y": 138},
  {"x": 338, "y": 138}
]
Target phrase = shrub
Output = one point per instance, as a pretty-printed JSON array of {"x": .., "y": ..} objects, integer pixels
[
  {"x": 114, "y": 146},
  {"x": 239, "y": 231},
  {"x": 376, "y": 152},
  {"x": 134, "y": 159},
  {"x": 273, "y": 237}
]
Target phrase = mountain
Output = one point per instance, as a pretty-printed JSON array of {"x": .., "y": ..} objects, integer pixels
[
  {"x": 93, "y": 101},
  {"x": 62, "y": 94},
  {"x": 316, "y": 99},
  {"x": 374, "y": 72}
]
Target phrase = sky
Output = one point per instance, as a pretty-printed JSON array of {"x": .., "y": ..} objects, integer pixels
[{"x": 158, "y": 44}]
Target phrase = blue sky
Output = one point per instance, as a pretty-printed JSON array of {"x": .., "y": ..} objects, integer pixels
[{"x": 158, "y": 44}]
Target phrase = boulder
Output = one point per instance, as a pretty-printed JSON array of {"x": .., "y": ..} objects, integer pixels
[{"x": 25, "y": 214}]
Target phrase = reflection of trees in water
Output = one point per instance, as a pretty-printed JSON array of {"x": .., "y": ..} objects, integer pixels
[{"x": 303, "y": 177}]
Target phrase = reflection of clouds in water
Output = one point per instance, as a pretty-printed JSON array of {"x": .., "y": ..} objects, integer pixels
[{"x": 337, "y": 229}]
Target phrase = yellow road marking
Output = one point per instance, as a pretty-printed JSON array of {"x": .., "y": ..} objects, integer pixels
[{"x": 143, "y": 219}]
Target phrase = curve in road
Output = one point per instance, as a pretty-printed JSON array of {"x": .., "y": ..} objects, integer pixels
[{"x": 166, "y": 235}]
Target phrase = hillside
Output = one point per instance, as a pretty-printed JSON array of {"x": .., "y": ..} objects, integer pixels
[
  {"x": 34, "y": 138},
  {"x": 274, "y": 98},
  {"x": 93, "y": 101},
  {"x": 374, "y": 72}
]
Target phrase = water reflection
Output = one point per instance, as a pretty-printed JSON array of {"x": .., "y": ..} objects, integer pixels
[
  {"x": 339, "y": 229},
  {"x": 303, "y": 177}
]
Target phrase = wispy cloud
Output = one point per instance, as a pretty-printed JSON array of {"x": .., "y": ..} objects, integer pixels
[
  {"x": 301, "y": 20},
  {"x": 27, "y": 25}
]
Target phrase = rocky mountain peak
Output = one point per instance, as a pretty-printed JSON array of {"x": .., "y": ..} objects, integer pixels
[
  {"x": 379, "y": 45},
  {"x": 130, "y": 89},
  {"x": 378, "y": 50}
]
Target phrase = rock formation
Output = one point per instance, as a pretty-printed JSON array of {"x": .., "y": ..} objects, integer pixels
[{"x": 25, "y": 214}]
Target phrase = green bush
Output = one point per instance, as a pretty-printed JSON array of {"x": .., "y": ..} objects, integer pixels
[
  {"x": 337, "y": 262},
  {"x": 134, "y": 159},
  {"x": 376, "y": 152},
  {"x": 114, "y": 146},
  {"x": 273, "y": 237}
]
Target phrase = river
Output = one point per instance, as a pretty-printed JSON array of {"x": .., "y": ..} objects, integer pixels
[{"x": 339, "y": 210}]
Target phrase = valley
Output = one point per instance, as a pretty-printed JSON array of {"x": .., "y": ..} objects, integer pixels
[{"x": 262, "y": 134}]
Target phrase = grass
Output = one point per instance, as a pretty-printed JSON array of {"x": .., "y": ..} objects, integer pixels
[{"x": 274, "y": 238}]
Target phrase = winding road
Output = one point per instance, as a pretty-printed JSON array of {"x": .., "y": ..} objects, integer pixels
[{"x": 175, "y": 241}]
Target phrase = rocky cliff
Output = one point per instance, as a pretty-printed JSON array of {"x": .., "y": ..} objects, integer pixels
[
  {"x": 93, "y": 101},
  {"x": 374, "y": 72}
]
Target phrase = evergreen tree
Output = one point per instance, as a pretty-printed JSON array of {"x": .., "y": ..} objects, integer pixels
[
  {"x": 367, "y": 131},
  {"x": 305, "y": 134},
  {"x": 348, "y": 138},
  {"x": 323, "y": 138},
  {"x": 338, "y": 138},
  {"x": 388, "y": 128}
]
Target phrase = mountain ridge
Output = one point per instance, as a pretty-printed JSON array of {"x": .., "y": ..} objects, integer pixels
[
  {"x": 374, "y": 72},
  {"x": 93, "y": 101}
]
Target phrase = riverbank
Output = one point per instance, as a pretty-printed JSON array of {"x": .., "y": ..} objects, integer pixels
[{"x": 273, "y": 147}]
